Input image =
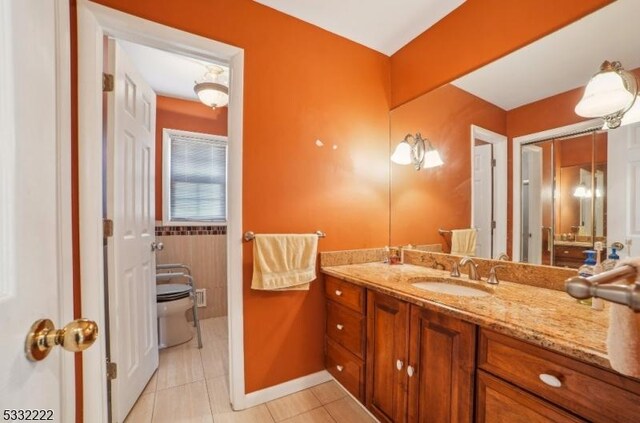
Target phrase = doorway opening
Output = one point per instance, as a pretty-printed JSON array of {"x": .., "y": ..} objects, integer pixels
[{"x": 95, "y": 25}]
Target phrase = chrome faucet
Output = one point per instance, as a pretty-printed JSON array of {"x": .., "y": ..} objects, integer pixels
[
  {"x": 473, "y": 268},
  {"x": 493, "y": 275}
]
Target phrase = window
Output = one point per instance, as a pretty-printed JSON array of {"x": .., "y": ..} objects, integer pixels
[{"x": 194, "y": 178}]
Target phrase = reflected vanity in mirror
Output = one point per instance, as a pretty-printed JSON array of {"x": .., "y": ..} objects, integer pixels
[{"x": 534, "y": 179}]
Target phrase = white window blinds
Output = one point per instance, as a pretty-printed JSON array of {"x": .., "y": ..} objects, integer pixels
[{"x": 198, "y": 184}]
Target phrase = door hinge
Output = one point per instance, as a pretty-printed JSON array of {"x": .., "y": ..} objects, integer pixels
[
  {"x": 493, "y": 224},
  {"x": 493, "y": 162},
  {"x": 112, "y": 370},
  {"x": 107, "y": 228},
  {"x": 107, "y": 82}
]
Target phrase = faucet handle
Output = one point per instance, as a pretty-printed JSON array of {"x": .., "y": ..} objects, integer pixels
[
  {"x": 455, "y": 270},
  {"x": 493, "y": 275}
]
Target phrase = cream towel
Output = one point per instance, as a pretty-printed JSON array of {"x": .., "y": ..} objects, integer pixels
[
  {"x": 623, "y": 337},
  {"x": 284, "y": 262},
  {"x": 463, "y": 242}
]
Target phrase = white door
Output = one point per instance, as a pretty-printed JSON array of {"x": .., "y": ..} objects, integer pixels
[
  {"x": 623, "y": 188},
  {"x": 131, "y": 206},
  {"x": 35, "y": 207},
  {"x": 483, "y": 199}
]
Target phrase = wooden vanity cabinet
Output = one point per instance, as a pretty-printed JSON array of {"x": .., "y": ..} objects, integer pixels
[
  {"x": 345, "y": 336},
  {"x": 587, "y": 391},
  {"x": 420, "y": 364}
]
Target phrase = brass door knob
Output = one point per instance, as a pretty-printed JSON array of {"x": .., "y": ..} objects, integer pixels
[{"x": 43, "y": 336}]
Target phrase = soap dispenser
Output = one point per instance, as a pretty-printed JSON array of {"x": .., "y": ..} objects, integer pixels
[
  {"x": 586, "y": 270},
  {"x": 612, "y": 260}
]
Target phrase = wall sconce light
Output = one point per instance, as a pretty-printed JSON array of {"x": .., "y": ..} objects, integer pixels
[
  {"x": 416, "y": 151},
  {"x": 581, "y": 191},
  {"x": 210, "y": 91},
  {"x": 609, "y": 95}
]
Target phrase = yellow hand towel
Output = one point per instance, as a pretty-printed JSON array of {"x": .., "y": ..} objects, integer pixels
[
  {"x": 284, "y": 262},
  {"x": 463, "y": 242},
  {"x": 623, "y": 337}
]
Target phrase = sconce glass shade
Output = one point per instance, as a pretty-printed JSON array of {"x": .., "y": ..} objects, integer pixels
[
  {"x": 432, "y": 159},
  {"x": 581, "y": 191},
  {"x": 402, "y": 155},
  {"x": 212, "y": 94},
  {"x": 608, "y": 95}
]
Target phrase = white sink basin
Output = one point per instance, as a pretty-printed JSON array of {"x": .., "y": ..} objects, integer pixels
[{"x": 451, "y": 289}]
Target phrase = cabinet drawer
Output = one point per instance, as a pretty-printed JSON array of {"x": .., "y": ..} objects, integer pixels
[
  {"x": 346, "y": 327},
  {"x": 499, "y": 401},
  {"x": 566, "y": 252},
  {"x": 346, "y": 368},
  {"x": 345, "y": 293},
  {"x": 586, "y": 390}
]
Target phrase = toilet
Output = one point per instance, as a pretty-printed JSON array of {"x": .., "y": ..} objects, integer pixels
[{"x": 173, "y": 302}]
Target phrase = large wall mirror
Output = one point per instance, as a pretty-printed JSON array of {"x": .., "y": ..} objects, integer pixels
[{"x": 520, "y": 167}]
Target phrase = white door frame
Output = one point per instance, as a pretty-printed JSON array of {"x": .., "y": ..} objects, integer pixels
[
  {"x": 95, "y": 21},
  {"x": 499, "y": 143},
  {"x": 518, "y": 142}
]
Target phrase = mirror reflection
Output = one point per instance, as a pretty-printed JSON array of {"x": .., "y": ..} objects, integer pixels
[{"x": 522, "y": 172}]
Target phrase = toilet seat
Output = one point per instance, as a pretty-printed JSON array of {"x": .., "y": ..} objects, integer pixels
[{"x": 172, "y": 292}]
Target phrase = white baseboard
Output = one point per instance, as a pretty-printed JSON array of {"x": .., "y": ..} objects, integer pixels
[{"x": 282, "y": 390}]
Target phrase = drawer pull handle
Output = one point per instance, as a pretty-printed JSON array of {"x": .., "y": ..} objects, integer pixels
[
  {"x": 340, "y": 368},
  {"x": 550, "y": 380},
  {"x": 339, "y": 326},
  {"x": 399, "y": 364},
  {"x": 410, "y": 371},
  {"x": 338, "y": 292}
]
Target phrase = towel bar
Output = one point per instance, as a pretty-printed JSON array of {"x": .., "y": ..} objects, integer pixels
[
  {"x": 582, "y": 288},
  {"x": 250, "y": 235}
]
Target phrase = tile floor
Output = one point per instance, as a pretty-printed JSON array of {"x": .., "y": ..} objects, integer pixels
[{"x": 191, "y": 385}]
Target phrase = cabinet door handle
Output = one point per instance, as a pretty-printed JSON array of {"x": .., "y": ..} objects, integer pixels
[
  {"x": 410, "y": 371},
  {"x": 340, "y": 368},
  {"x": 399, "y": 364},
  {"x": 338, "y": 292},
  {"x": 550, "y": 380},
  {"x": 339, "y": 326}
]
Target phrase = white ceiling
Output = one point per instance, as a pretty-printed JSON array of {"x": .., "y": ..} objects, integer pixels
[
  {"x": 382, "y": 25},
  {"x": 561, "y": 61},
  {"x": 169, "y": 74}
]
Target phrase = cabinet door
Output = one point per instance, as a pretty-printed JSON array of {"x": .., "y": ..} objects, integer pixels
[
  {"x": 387, "y": 348},
  {"x": 441, "y": 361},
  {"x": 499, "y": 401}
]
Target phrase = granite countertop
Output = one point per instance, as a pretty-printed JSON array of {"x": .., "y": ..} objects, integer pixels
[{"x": 548, "y": 318}]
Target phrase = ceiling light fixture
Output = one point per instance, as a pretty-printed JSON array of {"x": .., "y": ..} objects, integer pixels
[
  {"x": 609, "y": 94},
  {"x": 416, "y": 151},
  {"x": 210, "y": 91}
]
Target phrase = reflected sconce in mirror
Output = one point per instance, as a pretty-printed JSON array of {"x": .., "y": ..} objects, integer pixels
[
  {"x": 416, "y": 151},
  {"x": 610, "y": 94},
  {"x": 581, "y": 191},
  {"x": 210, "y": 91}
]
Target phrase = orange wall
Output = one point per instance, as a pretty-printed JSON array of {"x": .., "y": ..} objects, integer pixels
[
  {"x": 173, "y": 113},
  {"x": 301, "y": 83},
  {"x": 476, "y": 33},
  {"x": 444, "y": 116}
]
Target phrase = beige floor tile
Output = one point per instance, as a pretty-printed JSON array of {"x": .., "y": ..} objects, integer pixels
[
  {"x": 292, "y": 405},
  {"x": 142, "y": 410},
  {"x": 218, "y": 389},
  {"x": 214, "y": 330},
  {"x": 347, "y": 410},
  {"x": 183, "y": 404},
  {"x": 152, "y": 384},
  {"x": 318, "y": 415},
  {"x": 215, "y": 358},
  {"x": 257, "y": 414},
  {"x": 328, "y": 392},
  {"x": 179, "y": 365}
]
